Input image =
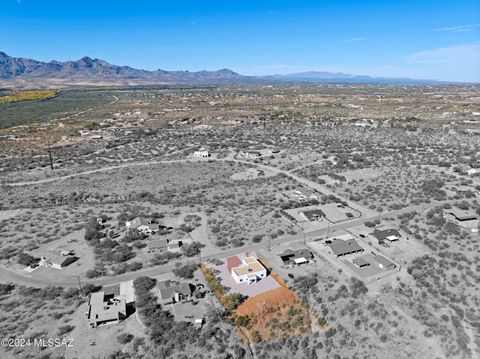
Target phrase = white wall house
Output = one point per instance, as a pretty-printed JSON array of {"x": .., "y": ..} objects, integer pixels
[
  {"x": 249, "y": 271},
  {"x": 201, "y": 153},
  {"x": 140, "y": 224}
]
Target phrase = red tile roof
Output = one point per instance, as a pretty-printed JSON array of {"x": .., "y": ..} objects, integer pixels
[{"x": 233, "y": 261}]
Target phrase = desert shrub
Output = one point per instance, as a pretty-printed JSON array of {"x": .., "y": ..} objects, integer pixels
[
  {"x": 256, "y": 338},
  {"x": 6, "y": 288},
  {"x": 125, "y": 338},
  {"x": 65, "y": 329},
  {"x": 257, "y": 238},
  {"x": 144, "y": 284},
  {"x": 163, "y": 258},
  {"x": 93, "y": 230},
  {"x": 232, "y": 301},
  {"x": 192, "y": 249},
  {"x": 186, "y": 271},
  {"x": 27, "y": 259},
  {"x": 357, "y": 287},
  {"x": 242, "y": 320}
]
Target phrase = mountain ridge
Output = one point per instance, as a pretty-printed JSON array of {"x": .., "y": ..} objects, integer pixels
[{"x": 87, "y": 70}]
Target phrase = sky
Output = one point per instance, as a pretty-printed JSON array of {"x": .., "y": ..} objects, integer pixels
[{"x": 390, "y": 38}]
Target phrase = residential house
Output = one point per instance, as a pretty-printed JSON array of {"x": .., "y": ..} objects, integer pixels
[
  {"x": 460, "y": 215},
  {"x": 249, "y": 154},
  {"x": 314, "y": 215},
  {"x": 388, "y": 235},
  {"x": 247, "y": 270},
  {"x": 201, "y": 153},
  {"x": 142, "y": 225},
  {"x": 174, "y": 246},
  {"x": 104, "y": 310},
  {"x": 157, "y": 245},
  {"x": 384, "y": 263},
  {"x": 297, "y": 257},
  {"x": 57, "y": 261},
  {"x": 342, "y": 247},
  {"x": 175, "y": 292}
]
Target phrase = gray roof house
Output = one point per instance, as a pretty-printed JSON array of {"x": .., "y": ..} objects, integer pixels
[
  {"x": 391, "y": 235},
  {"x": 174, "y": 292},
  {"x": 142, "y": 225},
  {"x": 461, "y": 214},
  {"x": 157, "y": 245},
  {"x": 342, "y": 247},
  {"x": 360, "y": 262},
  {"x": 296, "y": 257},
  {"x": 384, "y": 263}
]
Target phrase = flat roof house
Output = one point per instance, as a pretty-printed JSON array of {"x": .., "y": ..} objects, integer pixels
[
  {"x": 390, "y": 235},
  {"x": 461, "y": 214},
  {"x": 105, "y": 311},
  {"x": 248, "y": 270},
  {"x": 360, "y": 262},
  {"x": 342, "y": 247},
  {"x": 174, "y": 292},
  {"x": 201, "y": 153}
]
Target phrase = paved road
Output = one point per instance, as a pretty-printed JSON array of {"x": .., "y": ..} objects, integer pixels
[{"x": 7, "y": 275}]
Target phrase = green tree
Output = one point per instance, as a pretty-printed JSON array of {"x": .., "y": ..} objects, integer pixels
[{"x": 232, "y": 301}]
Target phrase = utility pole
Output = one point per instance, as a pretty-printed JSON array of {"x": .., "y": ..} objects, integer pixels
[
  {"x": 79, "y": 285},
  {"x": 50, "y": 154},
  {"x": 303, "y": 230}
]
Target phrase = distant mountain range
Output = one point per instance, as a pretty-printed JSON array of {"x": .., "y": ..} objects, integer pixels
[{"x": 22, "y": 72}]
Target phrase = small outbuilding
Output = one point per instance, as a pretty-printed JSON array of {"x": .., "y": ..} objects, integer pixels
[{"x": 360, "y": 262}]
